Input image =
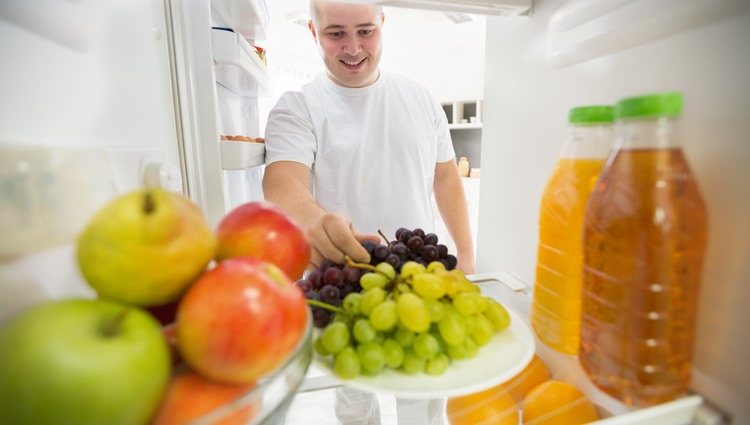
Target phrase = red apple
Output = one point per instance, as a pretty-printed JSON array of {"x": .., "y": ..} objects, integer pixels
[
  {"x": 261, "y": 230},
  {"x": 240, "y": 320},
  {"x": 189, "y": 396}
]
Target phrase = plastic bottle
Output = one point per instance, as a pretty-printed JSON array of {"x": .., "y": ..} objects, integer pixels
[
  {"x": 645, "y": 233},
  {"x": 463, "y": 166},
  {"x": 556, "y": 308}
]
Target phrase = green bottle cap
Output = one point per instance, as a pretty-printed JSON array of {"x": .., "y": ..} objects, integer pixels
[
  {"x": 591, "y": 115},
  {"x": 650, "y": 106}
]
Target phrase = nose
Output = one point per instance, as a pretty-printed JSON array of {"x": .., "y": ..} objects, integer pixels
[{"x": 351, "y": 45}]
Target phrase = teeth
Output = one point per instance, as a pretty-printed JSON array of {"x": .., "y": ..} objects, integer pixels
[{"x": 352, "y": 63}]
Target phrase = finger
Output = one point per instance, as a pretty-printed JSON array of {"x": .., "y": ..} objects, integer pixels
[
  {"x": 361, "y": 237},
  {"x": 316, "y": 258},
  {"x": 325, "y": 247},
  {"x": 350, "y": 244}
]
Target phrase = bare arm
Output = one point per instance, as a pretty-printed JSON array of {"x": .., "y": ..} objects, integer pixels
[
  {"x": 451, "y": 202},
  {"x": 286, "y": 184}
]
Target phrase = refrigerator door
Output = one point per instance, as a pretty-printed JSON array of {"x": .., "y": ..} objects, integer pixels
[
  {"x": 87, "y": 112},
  {"x": 596, "y": 52},
  {"x": 220, "y": 77}
]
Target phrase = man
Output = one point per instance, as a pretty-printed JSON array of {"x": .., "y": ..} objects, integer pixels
[
  {"x": 359, "y": 150},
  {"x": 372, "y": 146}
]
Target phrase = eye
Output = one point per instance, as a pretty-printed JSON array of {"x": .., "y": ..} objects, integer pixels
[
  {"x": 365, "y": 32},
  {"x": 336, "y": 34}
]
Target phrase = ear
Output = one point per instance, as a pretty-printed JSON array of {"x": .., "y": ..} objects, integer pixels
[{"x": 311, "y": 27}]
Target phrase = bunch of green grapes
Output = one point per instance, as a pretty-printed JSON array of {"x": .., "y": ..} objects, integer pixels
[{"x": 417, "y": 321}]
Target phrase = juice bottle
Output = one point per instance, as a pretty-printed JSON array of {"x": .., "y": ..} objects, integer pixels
[
  {"x": 644, "y": 242},
  {"x": 556, "y": 308}
]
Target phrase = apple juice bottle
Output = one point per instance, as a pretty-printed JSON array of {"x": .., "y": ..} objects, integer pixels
[{"x": 645, "y": 233}]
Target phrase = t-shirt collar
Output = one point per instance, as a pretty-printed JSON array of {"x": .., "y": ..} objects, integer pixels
[{"x": 326, "y": 81}]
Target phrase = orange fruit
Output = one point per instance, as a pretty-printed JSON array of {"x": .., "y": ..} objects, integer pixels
[
  {"x": 492, "y": 406},
  {"x": 533, "y": 374},
  {"x": 190, "y": 395},
  {"x": 557, "y": 403}
]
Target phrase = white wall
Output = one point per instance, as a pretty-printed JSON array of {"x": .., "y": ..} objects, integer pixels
[{"x": 447, "y": 58}]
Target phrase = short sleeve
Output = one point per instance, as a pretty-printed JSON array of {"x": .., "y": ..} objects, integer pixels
[
  {"x": 289, "y": 131},
  {"x": 445, "y": 150}
]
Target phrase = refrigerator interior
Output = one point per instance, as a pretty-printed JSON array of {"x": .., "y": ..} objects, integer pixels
[
  {"x": 90, "y": 107},
  {"x": 595, "y": 52}
]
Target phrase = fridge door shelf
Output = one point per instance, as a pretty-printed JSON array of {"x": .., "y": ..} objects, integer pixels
[
  {"x": 237, "y": 66},
  {"x": 507, "y": 288},
  {"x": 241, "y": 155},
  {"x": 248, "y": 17}
]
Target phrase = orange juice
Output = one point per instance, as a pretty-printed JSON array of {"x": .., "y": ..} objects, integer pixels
[
  {"x": 645, "y": 232},
  {"x": 556, "y": 308}
]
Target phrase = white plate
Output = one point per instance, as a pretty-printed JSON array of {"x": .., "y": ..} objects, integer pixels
[{"x": 506, "y": 355}]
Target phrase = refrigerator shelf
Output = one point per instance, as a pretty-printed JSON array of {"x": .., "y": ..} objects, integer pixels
[
  {"x": 465, "y": 126},
  {"x": 241, "y": 155},
  {"x": 508, "y": 287},
  {"x": 237, "y": 66},
  {"x": 248, "y": 17}
]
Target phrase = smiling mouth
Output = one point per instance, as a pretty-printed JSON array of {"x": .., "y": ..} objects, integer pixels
[{"x": 352, "y": 64}]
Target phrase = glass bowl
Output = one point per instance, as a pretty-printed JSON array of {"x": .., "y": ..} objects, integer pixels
[{"x": 274, "y": 393}]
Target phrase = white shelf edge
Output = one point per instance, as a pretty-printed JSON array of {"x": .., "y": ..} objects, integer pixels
[
  {"x": 465, "y": 126},
  {"x": 241, "y": 155},
  {"x": 235, "y": 62},
  {"x": 244, "y": 16}
]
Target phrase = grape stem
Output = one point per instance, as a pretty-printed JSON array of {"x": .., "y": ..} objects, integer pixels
[
  {"x": 356, "y": 265},
  {"x": 380, "y": 232},
  {"x": 326, "y": 306}
]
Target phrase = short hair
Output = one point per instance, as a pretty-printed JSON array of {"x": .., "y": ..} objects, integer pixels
[{"x": 315, "y": 10}]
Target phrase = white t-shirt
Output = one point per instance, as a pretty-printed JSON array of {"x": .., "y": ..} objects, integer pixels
[{"x": 372, "y": 150}]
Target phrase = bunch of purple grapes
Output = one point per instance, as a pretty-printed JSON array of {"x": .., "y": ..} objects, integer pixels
[
  {"x": 330, "y": 283},
  {"x": 411, "y": 245}
]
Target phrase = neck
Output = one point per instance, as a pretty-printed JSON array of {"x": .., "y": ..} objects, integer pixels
[{"x": 370, "y": 81}]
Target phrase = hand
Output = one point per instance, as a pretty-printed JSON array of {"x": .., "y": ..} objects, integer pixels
[
  {"x": 332, "y": 237},
  {"x": 466, "y": 264}
]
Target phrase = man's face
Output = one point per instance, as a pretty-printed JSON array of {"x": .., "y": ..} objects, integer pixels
[{"x": 349, "y": 38}]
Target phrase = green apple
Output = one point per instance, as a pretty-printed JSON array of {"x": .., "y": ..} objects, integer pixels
[
  {"x": 82, "y": 362},
  {"x": 145, "y": 248}
]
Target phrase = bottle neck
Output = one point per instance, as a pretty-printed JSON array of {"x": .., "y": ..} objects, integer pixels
[
  {"x": 658, "y": 133},
  {"x": 588, "y": 142}
]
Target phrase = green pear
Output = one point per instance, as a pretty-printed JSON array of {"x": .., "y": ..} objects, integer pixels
[{"x": 145, "y": 247}]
